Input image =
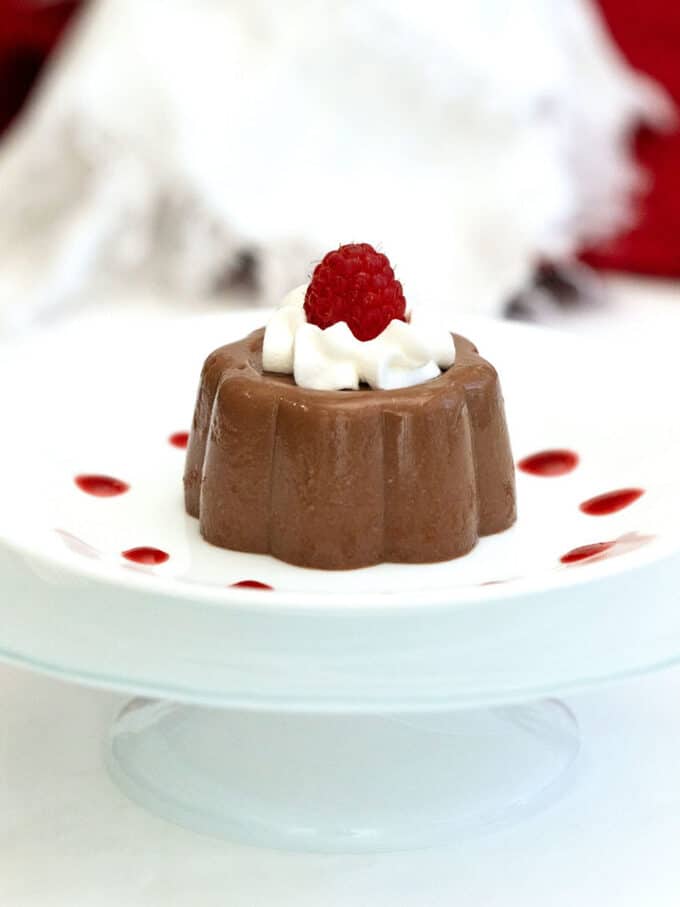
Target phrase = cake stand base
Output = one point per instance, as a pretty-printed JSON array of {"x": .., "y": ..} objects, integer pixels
[{"x": 342, "y": 783}]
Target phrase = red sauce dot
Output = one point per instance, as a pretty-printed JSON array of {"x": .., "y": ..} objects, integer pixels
[
  {"x": 101, "y": 486},
  {"x": 250, "y": 584},
  {"x": 180, "y": 439},
  {"x": 145, "y": 555},
  {"x": 611, "y": 502},
  {"x": 549, "y": 463},
  {"x": 586, "y": 551}
]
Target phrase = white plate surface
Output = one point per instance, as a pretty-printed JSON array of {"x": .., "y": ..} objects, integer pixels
[{"x": 506, "y": 622}]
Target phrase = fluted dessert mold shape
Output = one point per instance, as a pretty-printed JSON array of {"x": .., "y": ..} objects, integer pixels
[{"x": 346, "y": 479}]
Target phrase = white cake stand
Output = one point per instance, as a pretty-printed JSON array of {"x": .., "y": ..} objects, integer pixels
[{"x": 394, "y": 707}]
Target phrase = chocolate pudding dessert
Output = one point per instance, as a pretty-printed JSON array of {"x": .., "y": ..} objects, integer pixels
[{"x": 348, "y": 433}]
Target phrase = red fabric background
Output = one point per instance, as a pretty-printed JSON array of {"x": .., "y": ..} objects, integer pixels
[
  {"x": 648, "y": 32},
  {"x": 28, "y": 32}
]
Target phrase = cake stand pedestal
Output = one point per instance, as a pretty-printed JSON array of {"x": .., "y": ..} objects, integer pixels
[{"x": 345, "y": 783}]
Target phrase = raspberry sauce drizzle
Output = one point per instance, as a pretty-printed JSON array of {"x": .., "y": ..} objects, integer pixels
[
  {"x": 101, "y": 486},
  {"x": 585, "y": 552},
  {"x": 180, "y": 439},
  {"x": 549, "y": 463},
  {"x": 250, "y": 584},
  {"x": 611, "y": 501},
  {"x": 145, "y": 555}
]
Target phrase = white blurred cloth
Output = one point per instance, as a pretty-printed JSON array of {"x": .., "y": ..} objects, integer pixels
[{"x": 466, "y": 140}]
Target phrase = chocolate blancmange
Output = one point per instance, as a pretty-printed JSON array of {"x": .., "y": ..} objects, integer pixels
[{"x": 345, "y": 479}]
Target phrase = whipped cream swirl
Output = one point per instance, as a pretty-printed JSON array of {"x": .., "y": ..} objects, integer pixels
[{"x": 404, "y": 354}]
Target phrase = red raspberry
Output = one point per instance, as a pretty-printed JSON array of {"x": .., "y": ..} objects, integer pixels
[{"x": 355, "y": 284}]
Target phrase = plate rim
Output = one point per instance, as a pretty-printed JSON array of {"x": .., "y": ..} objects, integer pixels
[{"x": 274, "y": 600}]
